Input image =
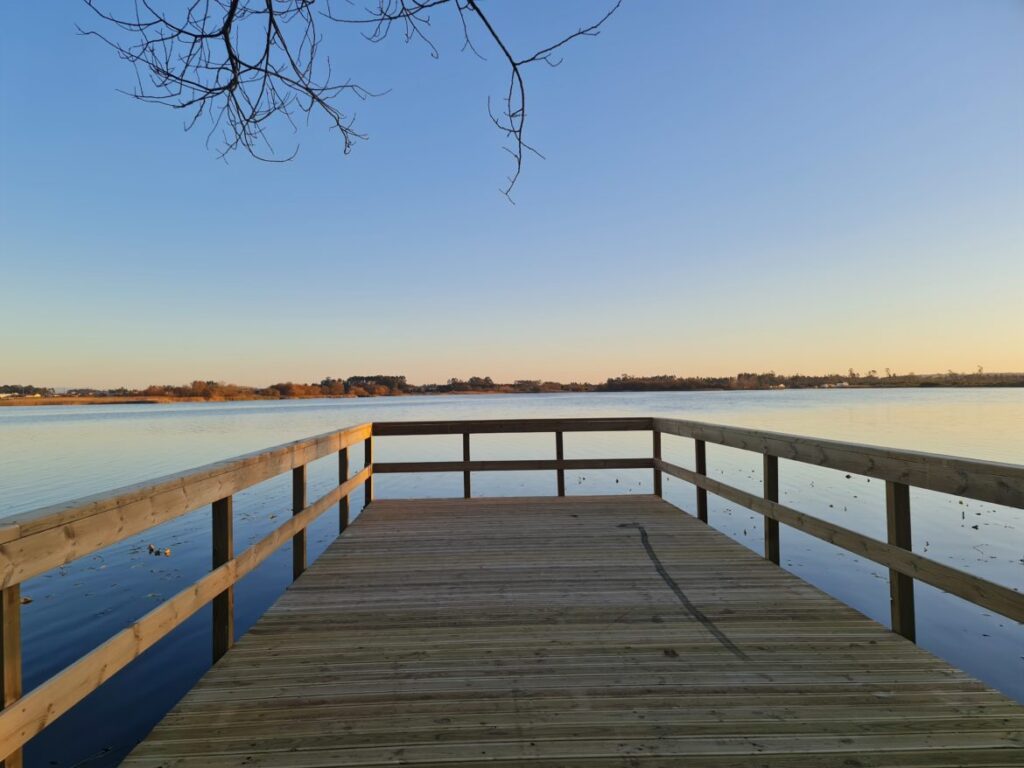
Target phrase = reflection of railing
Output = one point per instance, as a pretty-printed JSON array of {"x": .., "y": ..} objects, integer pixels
[{"x": 36, "y": 542}]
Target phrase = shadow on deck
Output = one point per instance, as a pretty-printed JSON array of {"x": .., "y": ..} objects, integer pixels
[{"x": 570, "y": 632}]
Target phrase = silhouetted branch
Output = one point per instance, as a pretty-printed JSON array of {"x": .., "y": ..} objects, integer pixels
[{"x": 244, "y": 62}]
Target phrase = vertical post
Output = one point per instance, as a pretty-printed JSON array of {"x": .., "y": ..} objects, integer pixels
[
  {"x": 771, "y": 493},
  {"x": 10, "y": 649},
  {"x": 702, "y": 469},
  {"x": 560, "y": 456},
  {"x": 465, "y": 457},
  {"x": 368, "y": 462},
  {"x": 901, "y": 586},
  {"x": 298, "y": 504},
  {"x": 657, "y": 456},
  {"x": 343, "y": 502},
  {"x": 224, "y": 603}
]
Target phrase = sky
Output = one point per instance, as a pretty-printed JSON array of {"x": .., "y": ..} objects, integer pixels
[{"x": 727, "y": 186}]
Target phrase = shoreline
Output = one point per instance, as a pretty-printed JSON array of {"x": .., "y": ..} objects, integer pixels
[{"x": 165, "y": 400}]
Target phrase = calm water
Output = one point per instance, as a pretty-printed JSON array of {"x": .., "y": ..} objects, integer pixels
[{"x": 50, "y": 454}]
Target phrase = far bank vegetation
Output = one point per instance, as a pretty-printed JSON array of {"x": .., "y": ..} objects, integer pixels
[{"x": 379, "y": 385}]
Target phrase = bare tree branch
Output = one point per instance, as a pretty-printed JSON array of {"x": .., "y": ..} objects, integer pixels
[{"x": 243, "y": 63}]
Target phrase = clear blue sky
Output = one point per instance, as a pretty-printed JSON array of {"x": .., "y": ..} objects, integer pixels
[{"x": 802, "y": 186}]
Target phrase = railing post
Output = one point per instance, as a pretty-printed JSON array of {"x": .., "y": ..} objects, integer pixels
[
  {"x": 771, "y": 493},
  {"x": 10, "y": 649},
  {"x": 368, "y": 461},
  {"x": 657, "y": 456},
  {"x": 702, "y": 469},
  {"x": 901, "y": 586},
  {"x": 465, "y": 457},
  {"x": 343, "y": 502},
  {"x": 224, "y": 603},
  {"x": 298, "y": 504},
  {"x": 560, "y": 456}
]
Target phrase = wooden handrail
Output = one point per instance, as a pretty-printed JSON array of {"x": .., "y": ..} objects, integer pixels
[
  {"x": 39, "y": 541},
  {"x": 33, "y": 543},
  {"x": 975, "y": 589},
  {"x": 508, "y": 465},
  {"x": 492, "y": 426},
  {"x": 34, "y": 711},
  {"x": 989, "y": 481}
]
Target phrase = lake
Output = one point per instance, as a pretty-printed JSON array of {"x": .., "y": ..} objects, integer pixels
[{"x": 50, "y": 454}]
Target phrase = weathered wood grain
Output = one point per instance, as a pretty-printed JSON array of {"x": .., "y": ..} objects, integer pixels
[
  {"x": 541, "y": 632},
  {"x": 41, "y": 540}
]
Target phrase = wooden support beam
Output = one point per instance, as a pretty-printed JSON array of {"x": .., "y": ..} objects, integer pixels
[
  {"x": 10, "y": 650},
  {"x": 298, "y": 504},
  {"x": 657, "y": 455},
  {"x": 368, "y": 462},
  {"x": 224, "y": 603},
  {"x": 701, "y": 451},
  {"x": 771, "y": 493},
  {"x": 560, "y": 456},
  {"x": 343, "y": 506},
  {"x": 901, "y": 586},
  {"x": 466, "y": 490}
]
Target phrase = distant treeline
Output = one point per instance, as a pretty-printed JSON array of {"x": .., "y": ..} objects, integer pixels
[
  {"x": 772, "y": 380},
  {"x": 24, "y": 390},
  {"x": 377, "y": 385}
]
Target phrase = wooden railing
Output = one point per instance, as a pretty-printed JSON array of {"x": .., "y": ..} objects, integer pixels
[
  {"x": 33, "y": 543},
  {"x": 982, "y": 480}
]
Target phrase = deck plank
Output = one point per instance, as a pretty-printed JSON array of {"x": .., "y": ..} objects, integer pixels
[{"x": 546, "y": 632}]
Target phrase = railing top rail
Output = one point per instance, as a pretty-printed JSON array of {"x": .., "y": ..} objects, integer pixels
[
  {"x": 135, "y": 508},
  {"x": 29, "y": 542},
  {"x": 991, "y": 481},
  {"x": 491, "y": 426}
]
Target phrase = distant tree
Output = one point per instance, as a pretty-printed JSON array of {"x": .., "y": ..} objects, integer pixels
[
  {"x": 244, "y": 64},
  {"x": 333, "y": 387}
]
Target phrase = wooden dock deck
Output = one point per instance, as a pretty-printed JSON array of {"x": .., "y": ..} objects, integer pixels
[
  {"x": 571, "y": 632},
  {"x": 563, "y": 632}
]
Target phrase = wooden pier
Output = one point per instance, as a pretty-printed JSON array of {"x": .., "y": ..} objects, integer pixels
[{"x": 567, "y": 631}]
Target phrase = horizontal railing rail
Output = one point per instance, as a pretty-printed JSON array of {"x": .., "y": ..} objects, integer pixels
[
  {"x": 989, "y": 481},
  {"x": 977, "y": 590},
  {"x": 38, "y": 541},
  {"x": 54, "y": 536},
  {"x": 509, "y": 465},
  {"x": 493, "y": 426},
  {"x": 993, "y": 482}
]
